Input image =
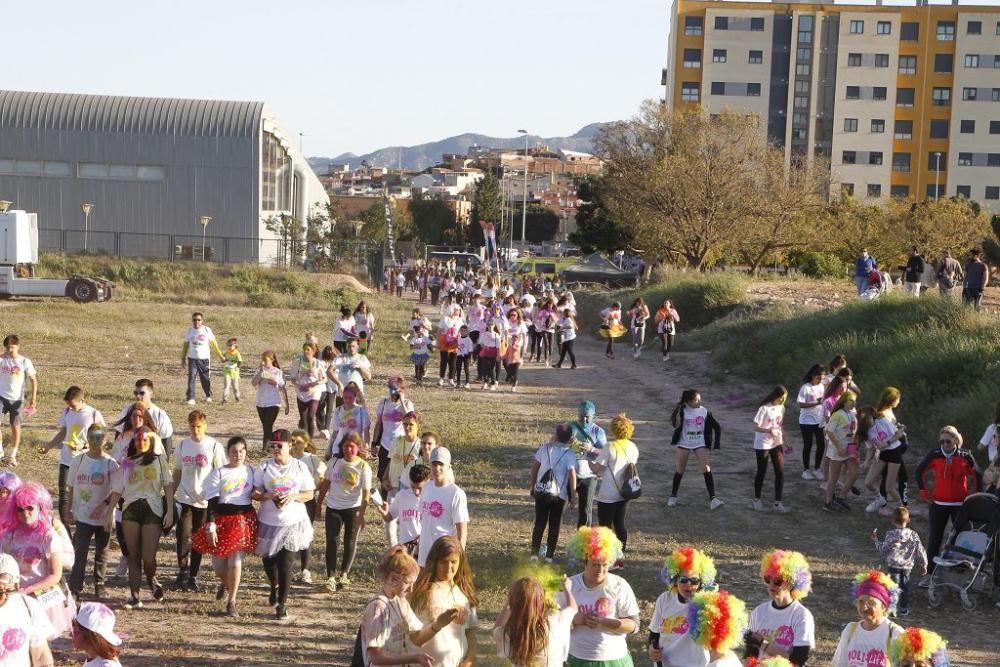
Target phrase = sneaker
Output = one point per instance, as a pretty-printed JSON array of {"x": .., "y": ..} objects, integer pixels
[
  {"x": 441, "y": 382},
  {"x": 758, "y": 505},
  {"x": 122, "y": 570},
  {"x": 133, "y": 603},
  {"x": 534, "y": 557},
  {"x": 665, "y": 357},
  {"x": 192, "y": 584},
  {"x": 619, "y": 565},
  {"x": 452, "y": 382},
  {"x": 280, "y": 613},
  {"x": 190, "y": 401},
  {"x": 493, "y": 387},
  {"x": 157, "y": 590},
  {"x": 672, "y": 501},
  {"x": 830, "y": 507},
  {"x": 272, "y": 597},
  {"x": 513, "y": 388},
  {"x": 331, "y": 583},
  {"x": 781, "y": 508},
  {"x": 180, "y": 583},
  {"x": 465, "y": 386},
  {"x": 324, "y": 434},
  {"x": 635, "y": 355},
  {"x": 486, "y": 385},
  {"x": 822, "y": 487},
  {"x": 716, "y": 503},
  {"x": 841, "y": 503},
  {"x": 808, "y": 474},
  {"x": 220, "y": 592},
  {"x": 343, "y": 583},
  {"x": 12, "y": 462},
  {"x": 855, "y": 490},
  {"x": 307, "y": 577},
  {"x": 100, "y": 593},
  {"x": 237, "y": 400},
  {"x": 208, "y": 399},
  {"x": 818, "y": 474},
  {"x": 231, "y": 610},
  {"x": 875, "y": 505}
]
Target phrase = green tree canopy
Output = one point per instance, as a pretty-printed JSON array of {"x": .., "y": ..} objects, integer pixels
[{"x": 597, "y": 228}]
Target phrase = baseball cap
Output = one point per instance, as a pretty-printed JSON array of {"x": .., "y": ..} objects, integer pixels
[
  {"x": 9, "y": 567},
  {"x": 99, "y": 619},
  {"x": 441, "y": 455}
]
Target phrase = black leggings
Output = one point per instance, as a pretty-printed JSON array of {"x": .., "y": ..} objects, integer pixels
[
  {"x": 307, "y": 415},
  {"x": 545, "y": 344},
  {"x": 278, "y": 569},
  {"x": 566, "y": 347},
  {"x": 777, "y": 457},
  {"x": 666, "y": 343},
  {"x": 938, "y": 516},
  {"x": 191, "y": 519},
  {"x": 612, "y": 515},
  {"x": 547, "y": 512},
  {"x": 64, "y": 506},
  {"x": 350, "y": 520},
  {"x": 462, "y": 364},
  {"x": 533, "y": 341},
  {"x": 811, "y": 433},
  {"x": 268, "y": 416},
  {"x": 305, "y": 553},
  {"x": 488, "y": 369},
  {"x": 447, "y": 364},
  {"x": 512, "y": 372}
]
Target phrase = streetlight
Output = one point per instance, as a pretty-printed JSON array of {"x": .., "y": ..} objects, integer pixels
[
  {"x": 86, "y": 207},
  {"x": 524, "y": 198},
  {"x": 937, "y": 175},
  {"x": 203, "y": 221}
]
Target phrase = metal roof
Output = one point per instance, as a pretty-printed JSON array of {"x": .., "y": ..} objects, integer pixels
[{"x": 137, "y": 115}]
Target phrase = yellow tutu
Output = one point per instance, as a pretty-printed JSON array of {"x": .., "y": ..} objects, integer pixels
[{"x": 613, "y": 331}]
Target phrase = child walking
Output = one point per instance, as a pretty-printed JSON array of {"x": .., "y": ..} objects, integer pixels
[
  {"x": 466, "y": 351},
  {"x": 903, "y": 550},
  {"x": 231, "y": 372},
  {"x": 767, "y": 443},
  {"x": 420, "y": 344}
]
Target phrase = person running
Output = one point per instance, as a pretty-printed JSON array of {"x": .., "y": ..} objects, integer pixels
[
  {"x": 74, "y": 423},
  {"x": 686, "y": 571},
  {"x": 611, "y": 327},
  {"x": 446, "y": 581},
  {"x": 230, "y": 530},
  {"x": 533, "y": 629},
  {"x": 303, "y": 450},
  {"x": 553, "y": 485},
  {"x": 89, "y": 490},
  {"x": 715, "y": 621},
  {"x": 613, "y": 462},
  {"x": 768, "y": 445},
  {"x": 916, "y": 647},
  {"x": 566, "y": 327},
  {"x": 196, "y": 353},
  {"x": 22, "y": 616},
  {"x": 271, "y": 393},
  {"x": 810, "y": 400},
  {"x": 444, "y": 509},
  {"x": 695, "y": 430},
  {"x": 783, "y": 626},
  {"x": 842, "y": 431},
  {"x": 875, "y": 596},
  {"x": 94, "y": 635},
  {"x": 638, "y": 315},
  {"x": 666, "y": 319},
  {"x": 17, "y": 374},
  {"x": 346, "y": 488}
]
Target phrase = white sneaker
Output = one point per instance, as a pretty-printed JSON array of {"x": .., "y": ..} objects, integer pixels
[
  {"x": 331, "y": 584},
  {"x": 665, "y": 357},
  {"x": 307, "y": 577},
  {"x": 465, "y": 386},
  {"x": 534, "y": 557},
  {"x": 758, "y": 505},
  {"x": 808, "y": 474},
  {"x": 672, "y": 501},
  {"x": 513, "y": 388},
  {"x": 716, "y": 503},
  {"x": 452, "y": 382},
  {"x": 875, "y": 505},
  {"x": 493, "y": 387},
  {"x": 781, "y": 508},
  {"x": 208, "y": 399},
  {"x": 818, "y": 474},
  {"x": 191, "y": 402},
  {"x": 441, "y": 382},
  {"x": 635, "y": 355}
]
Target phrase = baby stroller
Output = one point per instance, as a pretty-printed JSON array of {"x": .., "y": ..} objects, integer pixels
[{"x": 961, "y": 565}]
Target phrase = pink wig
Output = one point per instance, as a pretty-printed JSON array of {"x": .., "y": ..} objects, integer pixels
[{"x": 35, "y": 495}]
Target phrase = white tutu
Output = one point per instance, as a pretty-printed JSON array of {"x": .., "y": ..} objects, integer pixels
[{"x": 272, "y": 539}]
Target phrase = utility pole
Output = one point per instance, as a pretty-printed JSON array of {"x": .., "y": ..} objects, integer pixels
[{"x": 524, "y": 198}]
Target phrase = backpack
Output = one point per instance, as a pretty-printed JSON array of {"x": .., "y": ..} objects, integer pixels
[
  {"x": 548, "y": 487},
  {"x": 631, "y": 487},
  {"x": 358, "y": 656}
]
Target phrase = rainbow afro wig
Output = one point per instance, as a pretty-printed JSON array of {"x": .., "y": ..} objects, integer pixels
[
  {"x": 876, "y": 585},
  {"x": 770, "y": 661},
  {"x": 689, "y": 561},
  {"x": 716, "y": 620},
  {"x": 790, "y": 566},
  {"x": 622, "y": 427},
  {"x": 919, "y": 644},
  {"x": 593, "y": 543}
]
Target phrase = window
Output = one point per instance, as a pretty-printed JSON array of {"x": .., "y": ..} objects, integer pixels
[
  {"x": 144, "y": 173},
  {"x": 965, "y": 159},
  {"x": 879, "y": 93},
  {"x": 972, "y": 61},
  {"x": 805, "y": 22},
  {"x": 904, "y": 129},
  {"x": 874, "y": 190},
  {"x": 753, "y": 90},
  {"x": 883, "y": 28},
  {"x": 56, "y": 168},
  {"x": 998, "y": 28},
  {"x": 881, "y": 60},
  {"x": 901, "y": 162},
  {"x": 994, "y": 129},
  {"x": 36, "y": 168},
  {"x": 943, "y": 62},
  {"x": 718, "y": 55},
  {"x": 878, "y": 126},
  {"x": 899, "y": 191},
  {"x": 849, "y": 157},
  {"x": 804, "y": 55},
  {"x": 974, "y": 28},
  {"x": 937, "y": 161},
  {"x": 996, "y": 62},
  {"x": 968, "y": 127},
  {"x": 757, "y": 24},
  {"x": 939, "y": 129},
  {"x": 993, "y": 159},
  {"x": 803, "y": 69},
  {"x": 904, "y": 97},
  {"x": 805, "y": 37},
  {"x": 693, "y": 26},
  {"x": 941, "y": 97},
  {"x": 946, "y": 31},
  {"x": 722, "y": 23},
  {"x": 909, "y": 32},
  {"x": 92, "y": 170},
  {"x": 756, "y": 57},
  {"x": 718, "y": 88},
  {"x": 854, "y": 92},
  {"x": 995, "y": 95},
  {"x": 993, "y": 191},
  {"x": 802, "y": 87},
  {"x": 857, "y": 27},
  {"x": 964, "y": 191},
  {"x": 875, "y": 157},
  {"x": 970, "y": 94},
  {"x": 934, "y": 191},
  {"x": 690, "y": 91},
  {"x": 850, "y": 125},
  {"x": 847, "y": 189},
  {"x": 854, "y": 60},
  {"x": 801, "y": 102},
  {"x": 692, "y": 58},
  {"x": 907, "y": 64},
  {"x": 800, "y": 119}
]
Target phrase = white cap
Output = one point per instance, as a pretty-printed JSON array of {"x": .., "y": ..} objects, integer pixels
[
  {"x": 99, "y": 619},
  {"x": 441, "y": 455},
  {"x": 10, "y": 567}
]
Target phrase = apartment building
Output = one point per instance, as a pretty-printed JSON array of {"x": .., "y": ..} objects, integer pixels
[{"x": 903, "y": 101}]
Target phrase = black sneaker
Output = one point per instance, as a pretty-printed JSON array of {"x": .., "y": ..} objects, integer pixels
[
  {"x": 192, "y": 585},
  {"x": 133, "y": 603},
  {"x": 280, "y": 613},
  {"x": 157, "y": 589},
  {"x": 855, "y": 490},
  {"x": 180, "y": 583},
  {"x": 272, "y": 598},
  {"x": 830, "y": 507},
  {"x": 220, "y": 592},
  {"x": 842, "y": 504}
]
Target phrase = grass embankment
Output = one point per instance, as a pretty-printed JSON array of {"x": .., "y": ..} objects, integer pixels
[{"x": 940, "y": 354}]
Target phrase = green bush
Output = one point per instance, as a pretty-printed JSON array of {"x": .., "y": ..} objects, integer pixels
[{"x": 822, "y": 265}]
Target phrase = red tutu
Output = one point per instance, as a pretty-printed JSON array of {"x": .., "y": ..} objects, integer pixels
[{"x": 236, "y": 532}]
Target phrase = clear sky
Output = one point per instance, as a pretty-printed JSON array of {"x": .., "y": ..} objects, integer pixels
[{"x": 355, "y": 75}]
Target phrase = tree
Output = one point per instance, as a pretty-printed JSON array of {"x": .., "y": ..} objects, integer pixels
[
  {"x": 374, "y": 229},
  {"x": 597, "y": 229},
  {"x": 434, "y": 222},
  {"x": 291, "y": 233},
  {"x": 486, "y": 206},
  {"x": 934, "y": 226},
  {"x": 862, "y": 226},
  {"x": 541, "y": 222}
]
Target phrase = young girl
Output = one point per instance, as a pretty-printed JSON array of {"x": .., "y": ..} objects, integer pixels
[
  {"x": 916, "y": 647},
  {"x": 685, "y": 571},
  {"x": 695, "y": 429},
  {"x": 515, "y": 341},
  {"x": 346, "y": 487},
  {"x": 666, "y": 327},
  {"x": 842, "y": 433},
  {"x": 533, "y": 629},
  {"x": 810, "y": 400},
  {"x": 888, "y": 437},
  {"x": 489, "y": 350},
  {"x": 94, "y": 635},
  {"x": 345, "y": 330},
  {"x": 611, "y": 327},
  {"x": 420, "y": 343},
  {"x": 555, "y": 464},
  {"x": 446, "y": 583},
  {"x": 390, "y": 632},
  {"x": 304, "y": 450},
  {"x": 466, "y": 351},
  {"x": 349, "y": 418},
  {"x": 716, "y": 621},
  {"x": 867, "y": 642},
  {"x": 364, "y": 323},
  {"x": 231, "y": 371},
  {"x": 566, "y": 328},
  {"x": 309, "y": 376},
  {"x": 638, "y": 314},
  {"x": 89, "y": 483},
  {"x": 544, "y": 320},
  {"x": 990, "y": 442},
  {"x": 447, "y": 344},
  {"x": 767, "y": 443},
  {"x": 271, "y": 393},
  {"x": 783, "y": 626}
]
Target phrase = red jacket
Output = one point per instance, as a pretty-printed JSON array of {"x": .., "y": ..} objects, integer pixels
[{"x": 948, "y": 479}]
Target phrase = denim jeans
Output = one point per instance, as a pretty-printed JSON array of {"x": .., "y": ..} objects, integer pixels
[
  {"x": 81, "y": 547},
  {"x": 902, "y": 579},
  {"x": 586, "y": 489},
  {"x": 198, "y": 367}
]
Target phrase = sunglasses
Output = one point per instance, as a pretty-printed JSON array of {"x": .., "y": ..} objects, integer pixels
[
  {"x": 694, "y": 581},
  {"x": 28, "y": 509},
  {"x": 777, "y": 581}
]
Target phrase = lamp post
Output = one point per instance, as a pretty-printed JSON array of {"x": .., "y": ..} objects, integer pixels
[
  {"x": 86, "y": 207},
  {"x": 524, "y": 197},
  {"x": 203, "y": 221},
  {"x": 937, "y": 175}
]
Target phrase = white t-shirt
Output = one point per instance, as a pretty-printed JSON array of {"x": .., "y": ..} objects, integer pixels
[
  {"x": 391, "y": 415},
  {"x": 23, "y": 624},
  {"x": 989, "y": 441},
  {"x": 76, "y": 423},
  {"x": 441, "y": 507},
  {"x": 347, "y": 482},
  {"x": 91, "y": 482},
  {"x": 560, "y": 459},
  {"x": 614, "y": 599},
  {"x": 613, "y": 475},
  {"x": 102, "y": 662},
  {"x": 880, "y": 432},
  {"x": 670, "y": 620},
  {"x": 344, "y": 329},
  {"x": 349, "y": 368},
  {"x": 138, "y": 481},
  {"x": 292, "y": 478},
  {"x": 566, "y": 329},
  {"x": 196, "y": 460},
  {"x": 13, "y": 372},
  {"x": 693, "y": 427},
  {"x": 364, "y": 322},
  {"x": 199, "y": 342},
  {"x": 32, "y": 552},
  {"x": 405, "y": 508},
  {"x": 164, "y": 427},
  {"x": 232, "y": 486},
  {"x": 556, "y": 649},
  {"x": 728, "y": 660},
  {"x": 387, "y": 624},
  {"x": 448, "y": 646},
  {"x": 789, "y": 627},
  {"x": 811, "y": 393},
  {"x": 865, "y": 648},
  {"x": 309, "y": 378},
  {"x": 769, "y": 417},
  {"x": 269, "y": 395}
]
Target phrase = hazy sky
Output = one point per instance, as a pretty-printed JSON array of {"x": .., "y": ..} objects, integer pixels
[{"x": 357, "y": 75}]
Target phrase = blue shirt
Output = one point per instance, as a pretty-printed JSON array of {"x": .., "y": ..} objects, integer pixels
[
  {"x": 862, "y": 265},
  {"x": 594, "y": 435}
]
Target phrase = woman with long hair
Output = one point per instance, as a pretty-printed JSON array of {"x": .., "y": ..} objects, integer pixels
[
  {"x": 843, "y": 432},
  {"x": 567, "y": 328},
  {"x": 346, "y": 487},
  {"x": 533, "y": 629},
  {"x": 446, "y": 581},
  {"x": 638, "y": 314},
  {"x": 888, "y": 437},
  {"x": 364, "y": 324},
  {"x": 810, "y": 400},
  {"x": 309, "y": 376},
  {"x": 271, "y": 393},
  {"x": 695, "y": 429},
  {"x": 768, "y": 444},
  {"x": 666, "y": 327},
  {"x": 553, "y": 485}
]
